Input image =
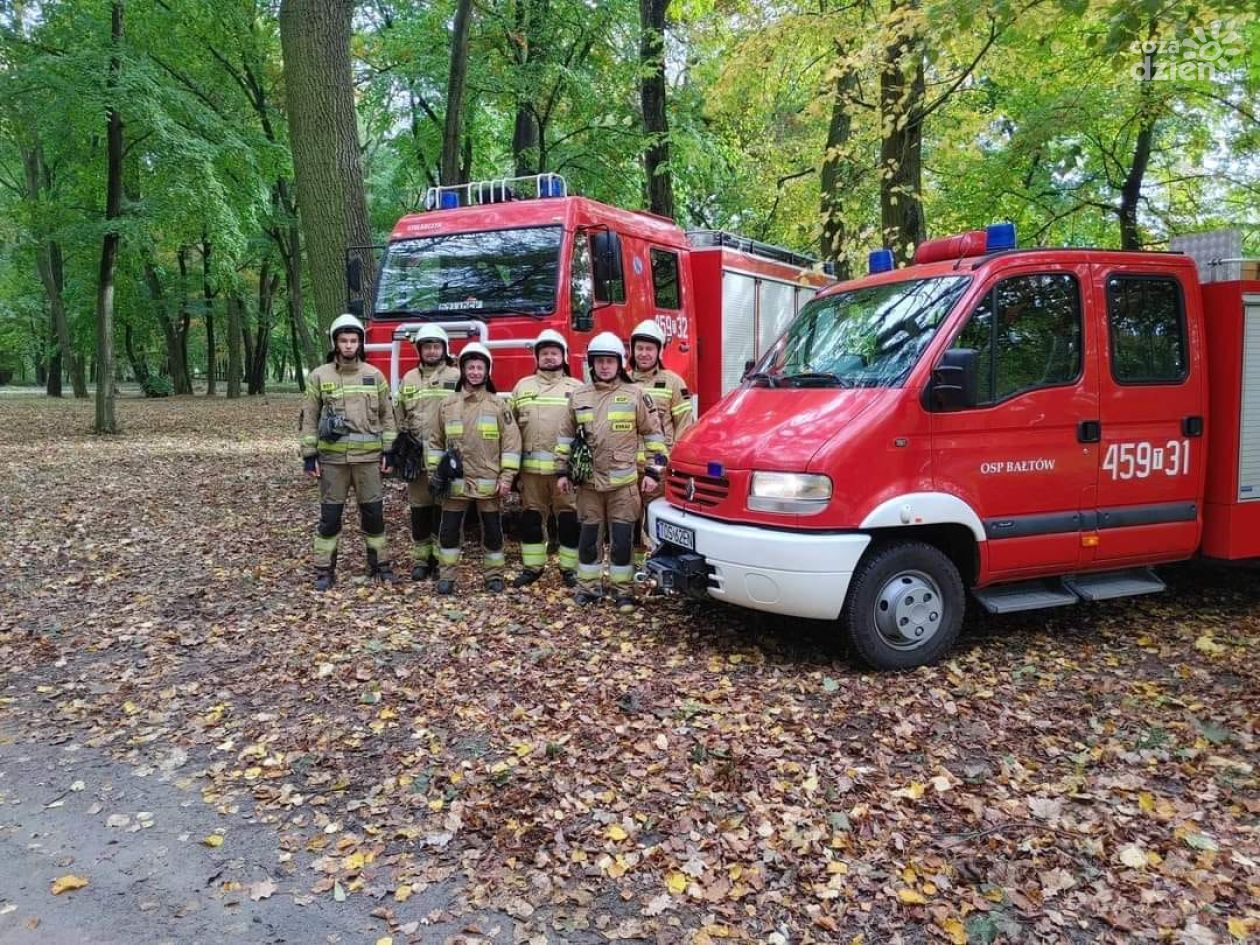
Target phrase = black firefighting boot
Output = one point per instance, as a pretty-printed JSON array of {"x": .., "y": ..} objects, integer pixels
[
  {"x": 379, "y": 571},
  {"x": 494, "y": 585},
  {"x": 324, "y": 579},
  {"x": 423, "y": 571},
  {"x": 527, "y": 577},
  {"x": 569, "y": 578},
  {"x": 446, "y": 586}
]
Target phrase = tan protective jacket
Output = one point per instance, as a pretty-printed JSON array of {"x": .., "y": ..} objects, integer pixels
[
  {"x": 420, "y": 396},
  {"x": 358, "y": 393},
  {"x": 482, "y": 427},
  {"x": 615, "y": 416},
  {"x": 671, "y": 399},
  {"x": 540, "y": 403}
]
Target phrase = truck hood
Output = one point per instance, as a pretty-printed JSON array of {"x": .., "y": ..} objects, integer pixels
[{"x": 773, "y": 428}]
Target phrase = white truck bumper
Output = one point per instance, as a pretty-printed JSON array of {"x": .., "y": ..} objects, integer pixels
[{"x": 798, "y": 574}]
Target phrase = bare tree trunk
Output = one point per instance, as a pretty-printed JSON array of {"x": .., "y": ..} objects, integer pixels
[
  {"x": 837, "y": 175},
  {"x": 901, "y": 100},
  {"x": 49, "y": 263},
  {"x": 1131, "y": 191},
  {"x": 297, "y": 353},
  {"x": 291, "y": 254},
  {"x": 660, "y": 182},
  {"x": 234, "y": 306},
  {"x": 139, "y": 367},
  {"x": 105, "y": 419},
  {"x": 212, "y": 361},
  {"x": 176, "y": 362},
  {"x": 323, "y": 131},
  {"x": 185, "y": 318},
  {"x": 268, "y": 284},
  {"x": 52, "y": 373},
  {"x": 455, "y": 88}
]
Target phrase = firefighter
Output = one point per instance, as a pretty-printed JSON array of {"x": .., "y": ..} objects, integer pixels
[
  {"x": 420, "y": 396},
  {"x": 599, "y": 440},
  {"x": 540, "y": 402},
  {"x": 347, "y": 434},
  {"x": 667, "y": 392},
  {"x": 475, "y": 424}
]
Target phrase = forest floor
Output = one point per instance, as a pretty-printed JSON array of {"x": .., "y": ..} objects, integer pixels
[{"x": 196, "y": 747}]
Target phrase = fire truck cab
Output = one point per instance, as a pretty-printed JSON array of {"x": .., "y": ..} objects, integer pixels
[
  {"x": 498, "y": 261},
  {"x": 1034, "y": 427}
]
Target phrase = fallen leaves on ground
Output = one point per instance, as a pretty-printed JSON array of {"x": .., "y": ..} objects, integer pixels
[{"x": 684, "y": 774}]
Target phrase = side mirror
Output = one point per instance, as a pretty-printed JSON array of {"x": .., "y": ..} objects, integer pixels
[
  {"x": 748, "y": 366},
  {"x": 955, "y": 380},
  {"x": 582, "y": 320},
  {"x": 356, "y": 308},
  {"x": 354, "y": 274}
]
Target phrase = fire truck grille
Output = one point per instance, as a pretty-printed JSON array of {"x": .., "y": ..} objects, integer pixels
[{"x": 705, "y": 491}]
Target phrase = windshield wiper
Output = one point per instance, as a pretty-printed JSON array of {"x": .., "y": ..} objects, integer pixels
[
  {"x": 816, "y": 379},
  {"x": 770, "y": 379},
  {"x": 510, "y": 310}
]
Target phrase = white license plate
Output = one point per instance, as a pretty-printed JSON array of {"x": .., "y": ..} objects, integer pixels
[{"x": 676, "y": 534}]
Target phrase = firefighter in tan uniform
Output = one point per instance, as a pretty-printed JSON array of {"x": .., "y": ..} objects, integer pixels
[
  {"x": 347, "y": 434},
  {"x": 420, "y": 395},
  {"x": 540, "y": 403},
  {"x": 607, "y": 420},
  {"x": 477, "y": 425},
  {"x": 668, "y": 393}
]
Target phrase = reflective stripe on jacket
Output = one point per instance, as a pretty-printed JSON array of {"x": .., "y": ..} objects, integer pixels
[
  {"x": 482, "y": 427},
  {"x": 420, "y": 396},
  {"x": 615, "y": 416},
  {"x": 540, "y": 402},
  {"x": 671, "y": 399},
  {"x": 359, "y": 394}
]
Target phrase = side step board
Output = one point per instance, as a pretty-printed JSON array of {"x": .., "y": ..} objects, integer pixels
[{"x": 1058, "y": 592}]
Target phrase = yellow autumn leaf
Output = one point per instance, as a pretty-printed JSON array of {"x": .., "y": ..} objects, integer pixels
[
  {"x": 385, "y": 940},
  {"x": 214, "y": 840},
  {"x": 130, "y": 707},
  {"x": 68, "y": 882},
  {"x": 1205, "y": 644},
  {"x": 353, "y": 862},
  {"x": 1238, "y": 928},
  {"x": 1133, "y": 856},
  {"x": 911, "y": 897},
  {"x": 677, "y": 883},
  {"x": 954, "y": 930},
  {"x": 913, "y": 791},
  {"x": 1146, "y": 802},
  {"x": 402, "y": 893},
  {"x": 616, "y": 832}
]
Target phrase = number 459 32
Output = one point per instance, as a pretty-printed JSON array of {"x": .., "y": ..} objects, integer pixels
[{"x": 1143, "y": 459}]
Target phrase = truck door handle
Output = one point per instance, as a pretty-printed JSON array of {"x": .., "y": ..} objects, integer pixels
[
  {"x": 1191, "y": 426},
  {"x": 1089, "y": 431}
]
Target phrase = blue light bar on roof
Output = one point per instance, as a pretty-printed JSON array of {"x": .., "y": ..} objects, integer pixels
[
  {"x": 880, "y": 260},
  {"x": 999, "y": 236},
  {"x": 450, "y": 199}
]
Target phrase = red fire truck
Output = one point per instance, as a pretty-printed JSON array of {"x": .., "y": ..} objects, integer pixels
[
  {"x": 1037, "y": 427},
  {"x": 498, "y": 261}
]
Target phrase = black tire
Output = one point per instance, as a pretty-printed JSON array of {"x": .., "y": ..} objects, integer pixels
[{"x": 904, "y": 607}]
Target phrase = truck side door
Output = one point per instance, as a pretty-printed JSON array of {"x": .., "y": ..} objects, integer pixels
[
  {"x": 1017, "y": 456},
  {"x": 1152, "y": 411}
]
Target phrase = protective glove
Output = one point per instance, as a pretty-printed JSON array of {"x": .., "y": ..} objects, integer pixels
[{"x": 308, "y": 463}]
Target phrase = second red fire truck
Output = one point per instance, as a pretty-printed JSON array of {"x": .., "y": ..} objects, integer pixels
[{"x": 498, "y": 261}]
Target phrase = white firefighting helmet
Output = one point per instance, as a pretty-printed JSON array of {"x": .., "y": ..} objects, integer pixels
[
  {"x": 476, "y": 349},
  {"x": 431, "y": 332},
  {"x": 648, "y": 330},
  {"x": 346, "y": 322},
  {"x": 549, "y": 336},
  {"x": 607, "y": 344}
]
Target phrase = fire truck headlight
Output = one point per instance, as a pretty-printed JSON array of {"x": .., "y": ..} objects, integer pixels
[{"x": 795, "y": 493}]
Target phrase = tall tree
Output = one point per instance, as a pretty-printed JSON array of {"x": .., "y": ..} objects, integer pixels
[
  {"x": 660, "y": 185},
  {"x": 105, "y": 419},
  {"x": 456, "y": 83},
  {"x": 323, "y": 132}
]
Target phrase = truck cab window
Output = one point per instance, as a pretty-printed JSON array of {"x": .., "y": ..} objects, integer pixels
[
  {"x": 610, "y": 278},
  {"x": 1027, "y": 332},
  {"x": 1148, "y": 330},
  {"x": 665, "y": 289}
]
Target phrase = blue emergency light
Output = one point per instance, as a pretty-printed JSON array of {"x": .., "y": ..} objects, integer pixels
[
  {"x": 999, "y": 236},
  {"x": 450, "y": 200},
  {"x": 880, "y": 260},
  {"x": 551, "y": 185},
  {"x": 715, "y": 470}
]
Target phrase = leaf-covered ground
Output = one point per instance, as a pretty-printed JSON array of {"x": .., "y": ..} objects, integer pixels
[{"x": 682, "y": 775}]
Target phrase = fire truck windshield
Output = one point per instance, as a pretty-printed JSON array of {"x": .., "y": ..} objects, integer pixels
[
  {"x": 866, "y": 337},
  {"x": 491, "y": 272}
]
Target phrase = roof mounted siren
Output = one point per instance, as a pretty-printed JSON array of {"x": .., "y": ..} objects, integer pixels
[
  {"x": 498, "y": 190},
  {"x": 880, "y": 260},
  {"x": 995, "y": 238}
]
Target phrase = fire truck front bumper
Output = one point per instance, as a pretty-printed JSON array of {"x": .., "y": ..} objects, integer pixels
[{"x": 794, "y": 573}]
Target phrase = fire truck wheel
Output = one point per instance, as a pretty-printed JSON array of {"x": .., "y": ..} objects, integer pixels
[{"x": 905, "y": 605}]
